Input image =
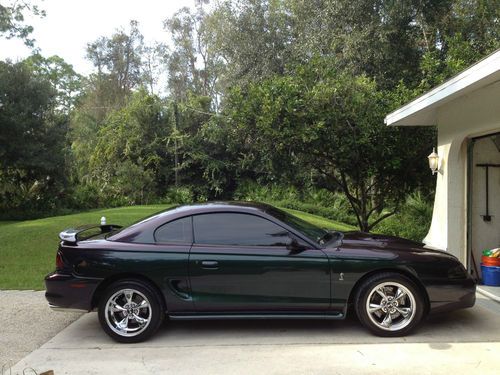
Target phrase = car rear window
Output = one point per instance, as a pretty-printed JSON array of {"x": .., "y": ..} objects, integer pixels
[{"x": 177, "y": 231}]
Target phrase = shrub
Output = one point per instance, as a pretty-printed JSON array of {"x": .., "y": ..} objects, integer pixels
[
  {"x": 412, "y": 221},
  {"x": 252, "y": 191},
  {"x": 320, "y": 202},
  {"x": 133, "y": 183},
  {"x": 179, "y": 195}
]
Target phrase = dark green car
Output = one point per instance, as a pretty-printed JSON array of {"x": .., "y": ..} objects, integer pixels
[{"x": 249, "y": 260}]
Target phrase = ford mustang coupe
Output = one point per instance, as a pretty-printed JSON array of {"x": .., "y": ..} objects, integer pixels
[{"x": 249, "y": 260}]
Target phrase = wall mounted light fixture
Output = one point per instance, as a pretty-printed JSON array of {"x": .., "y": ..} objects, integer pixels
[{"x": 433, "y": 161}]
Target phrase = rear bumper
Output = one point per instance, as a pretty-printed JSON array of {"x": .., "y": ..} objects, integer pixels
[
  {"x": 67, "y": 292},
  {"x": 65, "y": 309},
  {"x": 450, "y": 296}
]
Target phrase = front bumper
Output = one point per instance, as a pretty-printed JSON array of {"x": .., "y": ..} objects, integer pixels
[
  {"x": 452, "y": 295},
  {"x": 68, "y": 292}
]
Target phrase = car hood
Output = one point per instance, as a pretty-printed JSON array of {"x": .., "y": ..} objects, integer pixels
[{"x": 389, "y": 245}]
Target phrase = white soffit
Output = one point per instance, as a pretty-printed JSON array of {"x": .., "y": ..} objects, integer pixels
[{"x": 422, "y": 110}]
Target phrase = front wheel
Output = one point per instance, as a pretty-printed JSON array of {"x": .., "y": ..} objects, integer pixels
[
  {"x": 130, "y": 311},
  {"x": 389, "y": 304}
]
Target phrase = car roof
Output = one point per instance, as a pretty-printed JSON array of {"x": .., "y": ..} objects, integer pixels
[
  {"x": 146, "y": 226},
  {"x": 217, "y": 206}
]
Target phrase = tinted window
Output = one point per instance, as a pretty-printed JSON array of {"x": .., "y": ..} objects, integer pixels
[
  {"x": 179, "y": 230},
  {"x": 238, "y": 229},
  {"x": 313, "y": 232}
]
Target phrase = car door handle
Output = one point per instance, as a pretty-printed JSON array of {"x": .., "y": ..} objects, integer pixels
[{"x": 212, "y": 264}]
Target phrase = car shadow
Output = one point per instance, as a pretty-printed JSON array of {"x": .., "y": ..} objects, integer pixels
[{"x": 478, "y": 324}]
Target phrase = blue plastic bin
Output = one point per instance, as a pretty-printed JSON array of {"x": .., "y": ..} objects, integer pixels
[{"x": 491, "y": 275}]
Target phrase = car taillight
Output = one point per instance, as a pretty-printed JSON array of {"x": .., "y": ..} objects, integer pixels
[{"x": 59, "y": 261}]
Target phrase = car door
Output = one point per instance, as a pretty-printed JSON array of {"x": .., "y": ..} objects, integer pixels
[
  {"x": 242, "y": 263},
  {"x": 172, "y": 243}
]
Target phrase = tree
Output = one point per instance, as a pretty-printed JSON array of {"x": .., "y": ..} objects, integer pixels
[
  {"x": 384, "y": 40},
  {"x": 203, "y": 159},
  {"x": 330, "y": 123},
  {"x": 253, "y": 37},
  {"x": 119, "y": 71},
  {"x": 469, "y": 31},
  {"x": 194, "y": 64},
  {"x": 12, "y": 24},
  {"x": 153, "y": 59},
  {"x": 118, "y": 61},
  {"x": 32, "y": 141},
  {"x": 66, "y": 82},
  {"x": 129, "y": 159}
]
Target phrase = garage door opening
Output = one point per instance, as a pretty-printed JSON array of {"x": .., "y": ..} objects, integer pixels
[{"x": 483, "y": 229}]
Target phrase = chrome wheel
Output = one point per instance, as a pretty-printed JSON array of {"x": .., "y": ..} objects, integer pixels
[
  {"x": 128, "y": 312},
  {"x": 391, "y": 306}
]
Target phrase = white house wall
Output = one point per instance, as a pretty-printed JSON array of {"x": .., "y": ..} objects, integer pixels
[{"x": 471, "y": 115}]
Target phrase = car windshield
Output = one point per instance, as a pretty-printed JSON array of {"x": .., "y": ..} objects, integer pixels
[{"x": 313, "y": 232}]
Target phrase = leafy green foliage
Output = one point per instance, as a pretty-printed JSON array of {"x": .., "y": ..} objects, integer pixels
[
  {"x": 118, "y": 60},
  {"x": 179, "y": 195},
  {"x": 412, "y": 221},
  {"x": 64, "y": 79},
  {"x": 12, "y": 23},
  {"x": 129, "y": 157},
  {"x": 32, "y": 142},
  {"x": 254, "y": 37},
  {"x": 379, "y": 39},
  {"x": 321, "y": 202},
  {"x": 331, "y": 124},
  {"x": 204, "y": 162}
]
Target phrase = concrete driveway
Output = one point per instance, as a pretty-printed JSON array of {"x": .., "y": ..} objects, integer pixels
[{"x": 463, "y": 342}]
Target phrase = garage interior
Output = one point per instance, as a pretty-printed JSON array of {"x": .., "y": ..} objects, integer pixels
[{"x": 483, "y": 232}]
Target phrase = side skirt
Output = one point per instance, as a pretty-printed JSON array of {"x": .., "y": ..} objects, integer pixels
[{"x": 329, "y": 316}]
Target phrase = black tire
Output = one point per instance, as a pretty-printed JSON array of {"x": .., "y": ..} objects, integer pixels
[
  {"x": 390, "y": 316},
  {"x": 134, "y": 304}
]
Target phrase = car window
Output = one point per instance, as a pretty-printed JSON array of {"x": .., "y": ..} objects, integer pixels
[
  {"x": 179, "y": 231},
  {"x": 238, "y": 229},
  {"x": 313, "y": 232}
]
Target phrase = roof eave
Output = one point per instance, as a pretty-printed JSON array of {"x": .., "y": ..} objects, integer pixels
[{"x": 423, "y": 110}]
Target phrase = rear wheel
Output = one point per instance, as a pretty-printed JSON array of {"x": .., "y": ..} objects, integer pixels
[
  {"x": 389, "y": 304},
  {"x": 130, "y": 311}
]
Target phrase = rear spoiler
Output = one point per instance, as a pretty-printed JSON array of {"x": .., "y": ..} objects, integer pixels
[{"x": 73, "y": 235}]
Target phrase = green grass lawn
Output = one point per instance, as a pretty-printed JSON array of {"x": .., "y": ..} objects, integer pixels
[
  {"x": 2, "y": 223},
  {"x": 28, "y": 248}
]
